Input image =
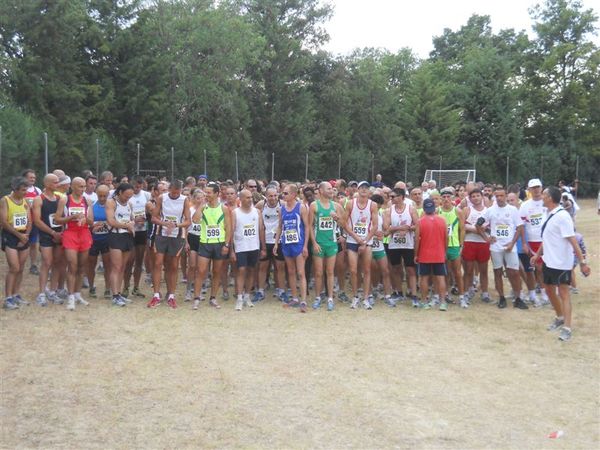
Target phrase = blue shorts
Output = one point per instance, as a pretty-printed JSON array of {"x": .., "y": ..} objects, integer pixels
[
  {"x": 436, "y": 269},
  {"x": 34, "y": 235},
  {"x": 291, "y": 250}
]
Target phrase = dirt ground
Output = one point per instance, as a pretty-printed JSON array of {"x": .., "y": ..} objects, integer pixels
[{"x": 107, "y": 377}]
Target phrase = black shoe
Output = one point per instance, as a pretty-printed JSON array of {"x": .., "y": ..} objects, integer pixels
[
  {"x": 520, "y": 304},
  {"x": 502, "y": 303}
]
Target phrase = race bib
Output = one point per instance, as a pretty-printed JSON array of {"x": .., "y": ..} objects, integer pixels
[
  {"x": 291, "y": 237},
  {"x": 399, "y": 239},
  {"x": 74, "y": 210},
  {"x": 171, "y": 219},
  {"x": 249, "y": 230},
  {"x": 51, "y": 221},
  {"x": 450, "y": 231},
  {"x": 103, "y": 229},
  {"x": 503, "y": 231},
  {"x": 139, "y": 213},
  {"x": 376, "y": 244},
  {"x": 123, "y": 218},
  {"x": 20, "y": 221},
  {"x": 195, "y": 228},
  {"x": 536, "y": 220},
  {"x": 360, "y": 230},
  {"x": 326, "y": 223},
  {"x": 213, "y": 232}
]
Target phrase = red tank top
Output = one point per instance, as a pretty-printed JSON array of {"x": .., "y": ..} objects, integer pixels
[
  {"x": 432, "y": 244},
  {"x": 73, "y": 208}
]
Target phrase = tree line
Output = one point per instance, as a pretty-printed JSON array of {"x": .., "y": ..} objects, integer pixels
[{"x": 251, "y": 76}]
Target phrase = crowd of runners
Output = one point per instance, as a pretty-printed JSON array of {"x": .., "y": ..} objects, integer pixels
[{"x": 424, "y": 245}]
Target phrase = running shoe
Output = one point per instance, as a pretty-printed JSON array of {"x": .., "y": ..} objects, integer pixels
[
  {"x": 225, "y": 296},
  {"x": 444, "y": 306},
  {"x": 85, "y": 283},
  {"x": 330, "y": 304},
  {"x": 293, "y": 303},
  {"x": 52, "y": 297},
  {"x": 355, "y": 303},
  {"x": 79, "y": 299},
  {"x": 213, "y": 302},
  {"x": 71, "y": 303},
  {"x": 485, "y": 298},
  {"x": 20, "y": 300},
  {"x": 415, "y": 302},
  {"x": 137, "y": 293},
  {"x": 343, "y": 297},
  {"x": 303, "y": 307},
  {"x": 371, "y": 300},
  {"x": 239, "y": 304},
  {"x": 556, "y": 324},
  {"x": 10, "y": 304},
  {"x": 107, "y": 293},
  {"x": 317, "y": 303},
  {"x": 33, "y": 270},
  {"x": 502, "y": 303},
  {"x": 154, "y": 302},
  {"x": 62, "y": 293},
  {"x": 247, "y": 301},
  {"x": 93, "y": 293},
  {"x": 388, "y": 300},
  {"x": 258, "y": 296},
  {"x": 117, "y": 301},
  {"x": 125, "y": 292},
  {"x": 284, "y": 297},
  {"x": 171, "y": 302},
  {"x": 463, "y": 302},
  {"x": 454, "y": 290},
  {"x": 520, "y": 304},
  {"x": 565, "y": 334},
  {"x": 124, "y": 299},
  {"x": 188, "y": 295},
  {"x": 366, "y": 304},
  {"x": 41, "y": 299},
  {"x": 196, "y": 303},
  {"x": 574, "y": 290}
]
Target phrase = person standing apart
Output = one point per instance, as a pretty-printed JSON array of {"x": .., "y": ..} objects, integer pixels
[{"x": 558, "y": 241}]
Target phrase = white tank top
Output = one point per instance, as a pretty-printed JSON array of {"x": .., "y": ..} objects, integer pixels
[
  {"x": 138, "y": 204},
  {"x": 194, "y": 228},
  {"x": 271, "y": 220},
  {"x": 123, "y": 214},
  {"x": 360, "y": 221},
  {"x": 533, "y": 213},
  {"x": 401, "y": 239},
  {"x": 245, "y": 235},
  {"x": 474, "y": 215},
  {"x": 172, "y": 211}
]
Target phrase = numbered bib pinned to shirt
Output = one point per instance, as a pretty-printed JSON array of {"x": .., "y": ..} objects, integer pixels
[
  {"x": 291, "y": 237},
  {"x": 20, "y": 221},
  {"x": 249, "y": 230},
  {"x": 213, "y": 232},
  {"x": 326, "y": 223}
]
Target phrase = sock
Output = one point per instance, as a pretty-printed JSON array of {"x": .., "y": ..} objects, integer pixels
[{"x": 156, "y": 294}]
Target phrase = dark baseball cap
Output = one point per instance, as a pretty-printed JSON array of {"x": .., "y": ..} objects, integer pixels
[{"x": 429, "y": 206}]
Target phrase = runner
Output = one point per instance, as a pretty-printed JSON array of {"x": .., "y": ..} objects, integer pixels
[
  {"x": 172, "y": 215},
  {"x": 91, "y": 182},
  {"x": 32, "y": 193},
  {"x": 248, "y": 244},
  {"x": 506, "y": 227},
  {"x": 533, "y": 213},
  {"x": 431, "y": 244},
  {"x": 476, "y": 250},
  {"x": 270, "y": 210},
  {"x": 120, "y": 219},
  {"x": 456, "y": 234},
  {"x": 380, "y": 261},
  {"x": 193, "y": 241},
  {"x": 362, "y": 216},
  {"x": 294, "y": 241},
  {"x": 44, "y": 211},
  {"x": 74, "y": 212},
  {"x": 138, "y": 202},
  {"x": 558, "y": 239},
  {"x": 99, "y": 243},
  {"x": 400, "y": 223},
  {"x": 15, "y": 221},
  {"x": 215, "y": 238},
  {"x": 324, "y": 217}
]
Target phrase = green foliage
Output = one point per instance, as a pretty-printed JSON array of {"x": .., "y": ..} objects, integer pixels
[{"x": 249, "y": 76}]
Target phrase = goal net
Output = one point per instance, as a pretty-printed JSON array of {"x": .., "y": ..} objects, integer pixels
[
  {"x": 158, "y": 173},
  {"x": 449, "y": 177}
]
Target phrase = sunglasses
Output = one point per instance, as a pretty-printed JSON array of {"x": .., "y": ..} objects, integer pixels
[{"x": 284, "y": 193}]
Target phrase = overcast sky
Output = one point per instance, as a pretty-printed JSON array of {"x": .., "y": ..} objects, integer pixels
[{"x": 393, "y": 24}]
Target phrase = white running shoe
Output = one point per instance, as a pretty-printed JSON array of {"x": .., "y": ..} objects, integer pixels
[
  {"x": 239, "y": 304},
  {"x": 196, "y": 304},
  {"x": 71, "y": 302},
  {"x": 366, "y": 304},
  {"x": 79, "y": 299},
  {"x": 247, "y": 301},
  {"x": 355, "y": 303}
]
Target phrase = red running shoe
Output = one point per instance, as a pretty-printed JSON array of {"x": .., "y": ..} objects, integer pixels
[
  {"x": 302, "y": 307},
  {"x": 154, "y": 302},
  {"x": 172, "y": 303}
]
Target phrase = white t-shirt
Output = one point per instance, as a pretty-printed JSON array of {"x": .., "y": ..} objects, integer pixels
[
  {"x": 93, "y": 197},
  {"x": 533, "y": 214},
  {"x": 558, "y": 252},
  {"x": 503, "y": 224}
]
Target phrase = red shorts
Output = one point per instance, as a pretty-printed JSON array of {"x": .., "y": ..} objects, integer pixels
[
  {"x": 81, "y": 241},
  {"x": 476, "y": 251},
  {"x": 535, "y": 246}
]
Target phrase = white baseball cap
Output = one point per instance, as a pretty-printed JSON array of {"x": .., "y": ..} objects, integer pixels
[{"x": 534, "y": 182}]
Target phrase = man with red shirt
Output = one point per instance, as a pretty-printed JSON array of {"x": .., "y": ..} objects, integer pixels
[{"x": 431, "y": 243}]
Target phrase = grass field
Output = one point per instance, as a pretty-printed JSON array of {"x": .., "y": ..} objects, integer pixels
[{"x": 106, "y": 377}]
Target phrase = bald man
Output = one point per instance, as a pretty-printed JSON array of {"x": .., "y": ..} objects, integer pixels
[{"x": 75, "y": 213}]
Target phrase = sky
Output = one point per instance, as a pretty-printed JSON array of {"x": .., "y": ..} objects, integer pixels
[{"x": 393, "y": 24}]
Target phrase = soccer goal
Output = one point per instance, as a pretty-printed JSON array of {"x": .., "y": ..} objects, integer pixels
[
  {"x": 449, "y": 177},
  {"x": 158, "y": 173}
]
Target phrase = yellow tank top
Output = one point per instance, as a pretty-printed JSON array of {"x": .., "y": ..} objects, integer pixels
[{"x": 17, "y": 214}]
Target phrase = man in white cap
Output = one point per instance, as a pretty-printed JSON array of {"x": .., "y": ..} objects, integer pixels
[{"x": 533, "y": 214}]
